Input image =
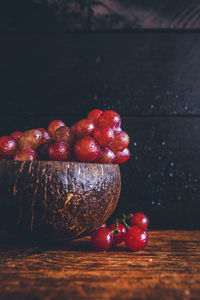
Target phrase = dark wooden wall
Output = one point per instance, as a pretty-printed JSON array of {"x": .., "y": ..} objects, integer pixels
[{"x": 60, "y": 59}]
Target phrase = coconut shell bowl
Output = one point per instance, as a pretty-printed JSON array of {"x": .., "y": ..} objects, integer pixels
[{"x": 56, "y": 200}]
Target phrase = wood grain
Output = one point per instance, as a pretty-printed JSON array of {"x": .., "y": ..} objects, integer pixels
[
  {"x": 82, "y": 15},
  {"x": 140, "y": 74},
  {"x": 56, "y": 200},
  {"x": 169, "y": 268}
]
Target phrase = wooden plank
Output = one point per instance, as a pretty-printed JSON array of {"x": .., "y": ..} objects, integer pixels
[
  {"x": 162, "y": 176},
  {"x": 133, "y": 73},
  {"x": 76, "y": 15},
  {"x": 169, "y": 268}
]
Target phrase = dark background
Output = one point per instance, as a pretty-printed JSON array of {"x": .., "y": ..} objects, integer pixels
[{"x": 59, "y": 59}]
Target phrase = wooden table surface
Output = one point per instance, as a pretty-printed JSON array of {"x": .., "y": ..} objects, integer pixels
[{"x": 169, "y": 268}]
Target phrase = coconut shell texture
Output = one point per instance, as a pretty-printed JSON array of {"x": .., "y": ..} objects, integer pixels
[{"x": 57, "y": 200}]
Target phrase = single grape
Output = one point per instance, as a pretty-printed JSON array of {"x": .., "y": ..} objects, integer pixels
[
  {"x": 8, "y": 147},
  {"x": 104, "y": 136},
  {"x": 30, "y": 139},
  {"x": 59, "y": 151},
  {"x": 26, "y": 154},
  {"x": 118, "y": 237},
  {"x": 102, "y": 239},
  {"x": 140, "y": 220},
  {"x": 136, "y": 238},
  {"x": 94, "y": 115},
  {"x": 84, "y": 127},
  {"x": 109, "y": 118},
  {"x": 122, "y": 156},
  {"x": 46, "y": 136},
  {"x": 105, "y": 156},
  {"x": 65, "y": 134},
  {"x": 86, "y": 149},
  {"x": 120, "y": 141},
  {"x": 54, "y": 125}
]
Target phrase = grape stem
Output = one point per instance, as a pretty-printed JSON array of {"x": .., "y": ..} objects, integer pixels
[
  {"x": 116, "y": 230},
  {"x": 123, "y": 220}
]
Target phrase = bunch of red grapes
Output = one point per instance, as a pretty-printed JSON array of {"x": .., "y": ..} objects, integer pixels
[
  {"x": 97, "y": 138},
  {"x": 134, "y": 235}
]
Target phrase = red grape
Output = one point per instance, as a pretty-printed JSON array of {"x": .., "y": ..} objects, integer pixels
[
  {"x": 30, "y": 139},
  {"x": 55, "y": 125},
  {"x": 8, "y": 147},
  {"x": 140, "y": 220},
  {"x": 86, "y": 149},
  {"x": 136, "y": 238},
  {"x": 122, "y": 156},
  {"x": 84, "y": 127},
  {"x": 104, "y": 136},
  {"x": 46, "y": 136},
  {"x": 65, "y": 134},
  {"x": 118, "y": 236},
  {"x": 26, "y": 154},
  {"x": 59, "y": 151},
  {"x": 106, "y": 156},
  {"x": 94, "y": 115},
  {"x": 102, "y": 239},
  {"x": 109, "y": 118},
  {"x": 16, "y": 134},
  {"x": 120, "y": 141}
]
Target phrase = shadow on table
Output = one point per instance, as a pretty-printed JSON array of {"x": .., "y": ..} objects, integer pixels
[{"x": 10, "y": 243}]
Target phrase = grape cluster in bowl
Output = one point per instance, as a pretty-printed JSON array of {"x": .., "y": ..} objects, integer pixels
[{"x": 95, "y": 139}]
